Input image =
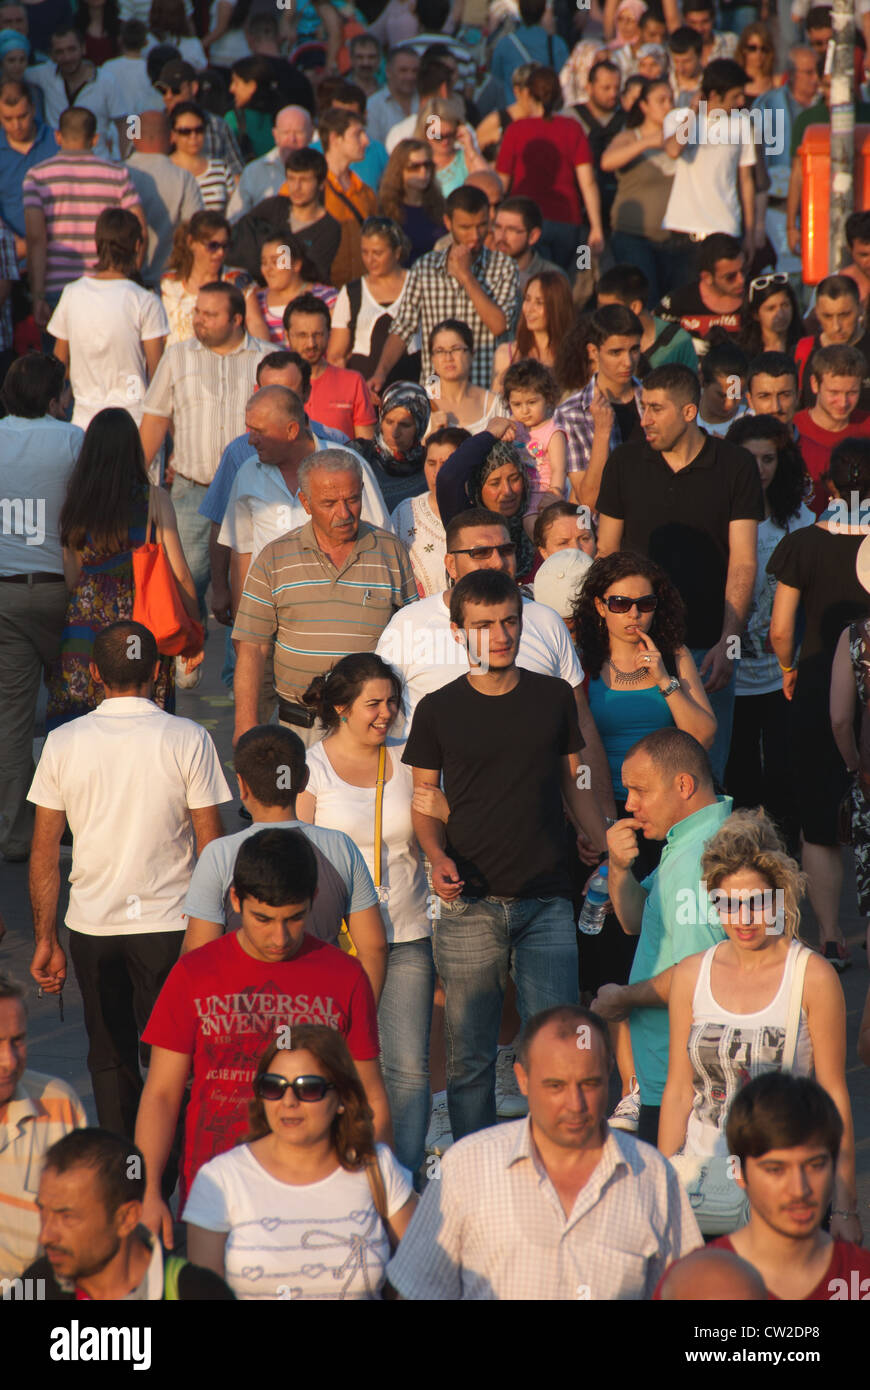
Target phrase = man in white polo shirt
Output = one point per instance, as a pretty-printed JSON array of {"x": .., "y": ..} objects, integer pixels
[
  {"x": 419, "y": 644},
  {"x": 140, "y": 789}
]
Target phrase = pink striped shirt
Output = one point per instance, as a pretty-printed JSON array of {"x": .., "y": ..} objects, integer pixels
[{"x": 72, "y": 190}]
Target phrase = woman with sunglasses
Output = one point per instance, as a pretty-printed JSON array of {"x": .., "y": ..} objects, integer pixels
[
  {"x": 629, "y": 625},
  {"x": 755, "y": 54},
  {"x": 307, "y": 1206},
  {"x": 199, "y": 248},
  {"x": 365, "y": 308},
  {"x": 770, "y": 318},
  {"x": 287, "y": 272},
  {"x": 216, "y": 183},
  {"x": 730, "y": 1006},
  {"x": 441, "y": 124},
  {"x": 410, "y": 196},
  {"x": 355, "y": 769}
]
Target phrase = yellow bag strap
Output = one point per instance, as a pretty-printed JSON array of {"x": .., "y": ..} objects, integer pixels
[{"x": 379, "y": 812}]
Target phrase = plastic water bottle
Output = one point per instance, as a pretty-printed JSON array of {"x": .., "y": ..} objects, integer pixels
[{"x": 595, "y": 907}]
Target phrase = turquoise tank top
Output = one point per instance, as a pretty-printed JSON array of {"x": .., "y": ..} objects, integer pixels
[{"x": 621, "y": 718}]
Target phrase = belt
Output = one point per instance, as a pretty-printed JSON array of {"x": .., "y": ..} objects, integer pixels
[{"x": 40, "y": 577}]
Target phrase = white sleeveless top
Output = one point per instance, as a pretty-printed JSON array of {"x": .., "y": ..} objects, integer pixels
[
  {"x": 727, "y": 1050},
  {"x": 341, "y": 806}
]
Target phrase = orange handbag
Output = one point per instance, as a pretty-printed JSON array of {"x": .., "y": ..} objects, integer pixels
[{"x": 157, "y": 602}]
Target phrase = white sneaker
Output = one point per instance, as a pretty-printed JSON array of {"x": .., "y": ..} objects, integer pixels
[
  {"x": 187, "y": 680},
  {"x": 439, "y": 1137},
  {"x": 510, "y": 1104},
  {"x": 627, "y": 1113}
]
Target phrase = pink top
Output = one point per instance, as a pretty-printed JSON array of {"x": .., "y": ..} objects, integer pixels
[{"x": 536, "y": 442}]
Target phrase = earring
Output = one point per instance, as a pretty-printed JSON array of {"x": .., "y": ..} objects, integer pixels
[
  {"x": 341, "y": 1110},
  {"x": 344, "y": 719}
]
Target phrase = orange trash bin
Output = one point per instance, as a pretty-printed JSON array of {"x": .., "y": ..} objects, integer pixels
[{"x": 815, "y": 153}]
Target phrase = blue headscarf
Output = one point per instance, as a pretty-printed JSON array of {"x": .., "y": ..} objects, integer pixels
[{"x": 10, "y": 39}]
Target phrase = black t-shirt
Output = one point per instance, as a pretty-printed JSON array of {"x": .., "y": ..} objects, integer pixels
[
  {"x": 271, "y": 217},
  {"x": 686, "y": 307},
  {"x": 681, "y": 519},
  {"x": 501, "y": 756},
  {"x": 627, "y": 419}
]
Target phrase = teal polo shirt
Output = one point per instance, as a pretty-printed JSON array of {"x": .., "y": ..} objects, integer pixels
[{"x": 675, "y": 924}]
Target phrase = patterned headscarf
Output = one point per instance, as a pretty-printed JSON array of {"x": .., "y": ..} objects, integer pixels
[
  {"x": 574, "y": 77},
  {"x": 500, "y": 454},
  {"x": 412, "y": 398}
]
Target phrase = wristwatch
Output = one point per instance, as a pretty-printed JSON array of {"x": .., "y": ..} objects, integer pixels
[{"x": 668, "y": 690}]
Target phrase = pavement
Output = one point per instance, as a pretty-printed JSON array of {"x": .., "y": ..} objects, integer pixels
[{"x": 60, "y": 1047}]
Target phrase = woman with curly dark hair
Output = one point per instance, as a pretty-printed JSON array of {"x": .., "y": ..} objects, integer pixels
[
  {"x": 770, "y": 316},
  {"x": 308, "y": 1177},
  {"x": 629, "y": 624},
  {"x": 758, "y": 765}
]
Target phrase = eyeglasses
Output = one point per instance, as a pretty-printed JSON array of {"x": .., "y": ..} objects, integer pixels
[
  {"x": 485, "y": 552},
  {"x": 215, "y": 246},
  {"x": 618, "y": 603},
  {"x": 188, "y": 130},
  {"x": 449, "y": 352},
  {"x": 306, "y": 1088},
  {"x": 761, "y": 282}
]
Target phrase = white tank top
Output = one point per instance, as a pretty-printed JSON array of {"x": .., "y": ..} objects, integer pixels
[
  {"x": 341, "y": 806},
  {"x": 727, "y": 1050}
]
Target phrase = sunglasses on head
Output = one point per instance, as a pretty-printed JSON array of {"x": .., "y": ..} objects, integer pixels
[
  {"x": 761, "y": 282},
  {"x": 618, "y": 603},
  {"x": 484, "y": 552},
  {"x": 308, "y": 1088}
]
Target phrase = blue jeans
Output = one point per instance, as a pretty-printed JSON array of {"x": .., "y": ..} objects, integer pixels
[
  {"x": 723, "y": 708},
  {"x": 559, "y": 243},
  {"x": 404, "y": 1020},
  {"x": 662, "y": 266},
  {"x": 193, "y": 532},
  {"x": 477, "y": 942}
]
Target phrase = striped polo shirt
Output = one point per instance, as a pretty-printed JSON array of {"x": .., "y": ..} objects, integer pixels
[
  {"x": 315, "y": 614},
  {"x": 71, "y": 190},
  {"x": 42, "y": 1110}
]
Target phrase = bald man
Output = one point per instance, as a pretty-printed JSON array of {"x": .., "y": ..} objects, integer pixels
[
  {"x": 711, "y": 1276},
  {"x": 169, "y": 195},
  {"x": 263, "y": 177}
]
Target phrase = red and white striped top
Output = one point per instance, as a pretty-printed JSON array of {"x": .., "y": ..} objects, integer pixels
[{"x": 71, "y": 190}]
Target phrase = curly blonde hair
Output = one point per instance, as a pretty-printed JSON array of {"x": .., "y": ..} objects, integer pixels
[{"x": 750, "y": 840}]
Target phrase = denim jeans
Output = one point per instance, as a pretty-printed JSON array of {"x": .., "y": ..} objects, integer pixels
[
  {"x": 722, "y": 703},
  {"x": 193, "y": 532},
  {"x": 662, "y": 266},
  {"x": 404, "y": 1020},
  {"x": 477, "y": 942}
]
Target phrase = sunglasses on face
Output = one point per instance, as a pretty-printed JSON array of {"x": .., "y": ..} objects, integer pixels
[
  {"x": 761, "y": 282},
  {"x": 755, "y": 48},
  {"x": 618, "y": 603},
  {"x": 424, "y": 164},
  {"x": 485, "y": 552},
  {"x": 306, "y": 1088},
  {"x": 189, "y": 130},
  {"x": 215, "y": 246}
]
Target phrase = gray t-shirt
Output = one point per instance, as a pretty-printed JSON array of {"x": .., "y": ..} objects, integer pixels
[
  {"x": 344, "y": 884},
  {"x": 169, "y": 195}
]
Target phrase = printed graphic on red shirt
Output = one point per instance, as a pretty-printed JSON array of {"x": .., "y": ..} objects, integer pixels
[{"x": 224, "y": 1008}]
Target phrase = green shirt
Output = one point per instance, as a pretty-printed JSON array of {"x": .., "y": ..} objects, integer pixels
[
  {"x": 680, "y": 348},
  {"x": 820, "y": 115},
  {"x": 678, "y": 921}
]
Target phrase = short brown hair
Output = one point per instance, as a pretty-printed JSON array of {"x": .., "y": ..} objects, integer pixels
[
  {"x": 779, "y": 1110},
  {"x": 838, "y": 360},
  {"x": 567, "y": 1018}
]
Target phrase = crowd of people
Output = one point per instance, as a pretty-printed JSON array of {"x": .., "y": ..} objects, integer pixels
[{"x": 482, "y": 422}]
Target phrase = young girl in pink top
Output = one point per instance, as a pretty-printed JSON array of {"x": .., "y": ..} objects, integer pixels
[{"x": 531, "y": 394}]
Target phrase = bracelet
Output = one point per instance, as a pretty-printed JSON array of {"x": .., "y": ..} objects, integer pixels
[
  {"x": 610, "y": 821},
  {"x": 836, "y": 1211},
  {"x": 786, "y": 669}
]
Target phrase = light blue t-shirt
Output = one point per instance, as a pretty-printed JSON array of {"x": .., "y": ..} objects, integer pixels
[
  {"x": 678, "y": 920},
  {"x": 214, "y": 504},
  {"x": 344, "y": 884}
]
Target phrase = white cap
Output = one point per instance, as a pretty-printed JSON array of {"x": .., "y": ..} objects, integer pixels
[{"x": 560, "y": 578}]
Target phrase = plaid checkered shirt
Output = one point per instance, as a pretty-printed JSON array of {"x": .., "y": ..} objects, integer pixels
[
  {"x": 574, "y": 418},
  {"x": 431, "y": 294}
]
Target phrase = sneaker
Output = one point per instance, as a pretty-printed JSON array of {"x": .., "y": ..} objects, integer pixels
[
  {"x": 187, "y": 680},
  {"x": 627, "y": 1113},
  {"x": 439, "y": 1138},
  {"x": 837, "y": 953},
  {"x": 509, "y": 1103}
]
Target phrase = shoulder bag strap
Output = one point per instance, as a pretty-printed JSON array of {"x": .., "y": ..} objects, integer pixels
[
  {"x": 379, "y": 1197},
  {"x": 794, "y": 1009},
  {"x": 151, "y": 517},
  {"x": 354, "y": 298},
  {"x": 379, "y": 812},
  {"x": 527, "y": 57},
  {"x": 344, "y": 198}
]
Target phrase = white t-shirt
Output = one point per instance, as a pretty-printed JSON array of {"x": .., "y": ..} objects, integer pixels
[
  {"x": 369, "y": 313},
  {"x": 189, "y": 47},
  {"x": 418, "y": 642},
  {"x": 421, "y": 530},
  {"x": 323, "y": 1240},
  {"x": 758, "y": 670},
  {"x": 130, "y": 77},
  {"x": 232, "y": 44},
  {"x": 720, "y": 427},
  {"x": 340, "y": 806},
  {"x": 261, "y": 506},
  {"x": 105, "y": 323},
  {"x": 126, "y": 774},
  {"x": 704, "y": 197},
  {"x": 36, "y": 459}
]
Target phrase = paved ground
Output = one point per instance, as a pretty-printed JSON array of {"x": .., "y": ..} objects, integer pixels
[{"x": 61, "y": 1048}]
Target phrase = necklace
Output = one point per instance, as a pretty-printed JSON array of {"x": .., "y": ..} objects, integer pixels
[{"x": 627, "y": 677}]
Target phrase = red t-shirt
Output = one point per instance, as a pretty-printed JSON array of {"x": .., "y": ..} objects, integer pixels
[
  {"x": 816, "y": 445},
  {"x": 340, "y": 399},
  {"x": 223, "y": 1008},
  {"x": 540, "y": 156},
  {"x": 847, "y": 1276}
]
